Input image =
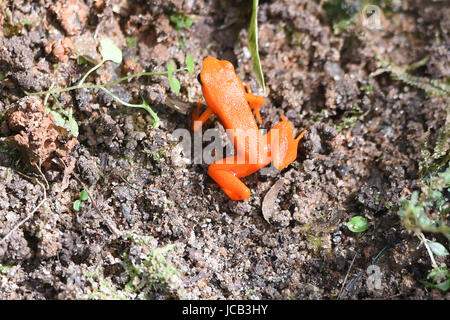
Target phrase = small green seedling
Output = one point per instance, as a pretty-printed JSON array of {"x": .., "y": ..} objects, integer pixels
[
  {"x": 343, "y": 24},
  {"x": 174, "y": 82},
  {"x": 440, "y": 279},
  {"x": 60, "y": 118},
  {"x": 131, "y": 42},
  {"x": 439, "y": 275},
  {"x": 110, "y": 52},
  {"x": 358, "y": 224},
  {"x": 180, "y": 21},
  {"x": 83, "y": 197},
  {"x": 189, "y": 61},
  {"x": 437, "y": 248}
]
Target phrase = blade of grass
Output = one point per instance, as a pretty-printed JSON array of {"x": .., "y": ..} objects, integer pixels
[{"x": 253, "y": 45}]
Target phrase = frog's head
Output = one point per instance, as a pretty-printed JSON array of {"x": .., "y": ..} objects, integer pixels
[{"x": 215, "y": 71}]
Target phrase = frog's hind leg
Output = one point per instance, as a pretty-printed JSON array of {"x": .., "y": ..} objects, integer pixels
[
  {"x": 283, "y": 148},
  {"x": 226, "y": 173}
]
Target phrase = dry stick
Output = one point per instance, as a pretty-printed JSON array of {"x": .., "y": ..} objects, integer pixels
[
  {"x": 28, "y": 216},
  {"x": 346, "y": 276}
]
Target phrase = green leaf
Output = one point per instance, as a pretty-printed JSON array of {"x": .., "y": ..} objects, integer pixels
[
  {"x": 170, "y": 69},
  {"x": 368, "y": 89},
  {"x": 77, "y": 205},
  {"x": 109, "y": 51},
  {"x": 358, "y": 224},
  {"x": 84, "y": 195},
  {"x": 190, "y": 63},
  {"x": 437, "y": 248},
  {"x": 59, "y": 120},
  {"x": 73, "y": 125},
  {"x": 253, "y": 45},
  {"x": 343, "y": 24},
  {"x": 443, "y": 286},
  {"x": 173, "y": 82},
  {"x": 180, "y": 21},
  {"x": 131, "y": 42},
  {"x": 174, "y": 85},
  {"x": 439, "y": 274}
]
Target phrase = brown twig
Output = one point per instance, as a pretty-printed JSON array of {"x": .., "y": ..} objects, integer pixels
[{"x": 346, "y": 276}]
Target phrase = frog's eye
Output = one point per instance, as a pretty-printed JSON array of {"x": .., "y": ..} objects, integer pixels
[{"x": 199, "y": 79}]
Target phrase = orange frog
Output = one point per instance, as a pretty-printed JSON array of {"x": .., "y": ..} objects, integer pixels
[{"x": 232, "y": 103}]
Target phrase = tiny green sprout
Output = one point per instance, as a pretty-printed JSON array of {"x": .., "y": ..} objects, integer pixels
[
  {"x": 189, "y": 61},
  {"x": 77, "y": 205},
  {"x": 4, "y": 268},
  {"x": 180, "y": 21},
  {"x": 73, "y": 125},
  {"x": 1, "y": 76},
  {"x": 83, "y": 197},
  {"x": 60, "y": 121},
  {"x": 357, "y": 224},
  {"x": 26, "y": 22},
  {"x": 368, "y": 89},
  {"x": 440, "y": 279},
  {"x": 343, "y": 24},
  {"x": 173, "y": 82},
  {"x": 131, "y": 42}
]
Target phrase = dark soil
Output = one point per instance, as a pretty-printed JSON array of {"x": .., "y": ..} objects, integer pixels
[{"x": 140, "y": 183}]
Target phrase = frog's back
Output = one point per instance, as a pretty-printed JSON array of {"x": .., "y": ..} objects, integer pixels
[{"x": 225, "y": 95}]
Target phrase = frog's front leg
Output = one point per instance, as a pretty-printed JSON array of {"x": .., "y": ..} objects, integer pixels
[
  {"x": 255, "y": 102},
  {"x": 199, "y": 120},
  {"x": 226, "y": 172}
]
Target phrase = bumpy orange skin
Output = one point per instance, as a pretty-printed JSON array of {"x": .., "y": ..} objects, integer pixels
[{"x": 227, "y": 98}]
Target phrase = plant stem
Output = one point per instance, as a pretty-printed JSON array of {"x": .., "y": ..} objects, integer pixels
[
  {"x": 99, "y": 86},
  {"x": 90, "y": 71},
  {"x": 146, "y": 107},
  {"x": 140, "y": 74},
  {"x": 80, "y": 85},
  {"x": 430, "y": 253}
]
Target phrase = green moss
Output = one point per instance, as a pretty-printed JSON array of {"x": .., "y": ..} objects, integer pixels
[
  {"x": 433, "y": 161},
  {"x": 428, "y": 209},
  {"x": 143, "y": 277},
  {"x": 315, "y": 243},
  {"x": 351, "y": 117}
]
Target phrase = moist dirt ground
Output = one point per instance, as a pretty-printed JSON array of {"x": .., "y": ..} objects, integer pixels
[{"x": 156, "y": 225}]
